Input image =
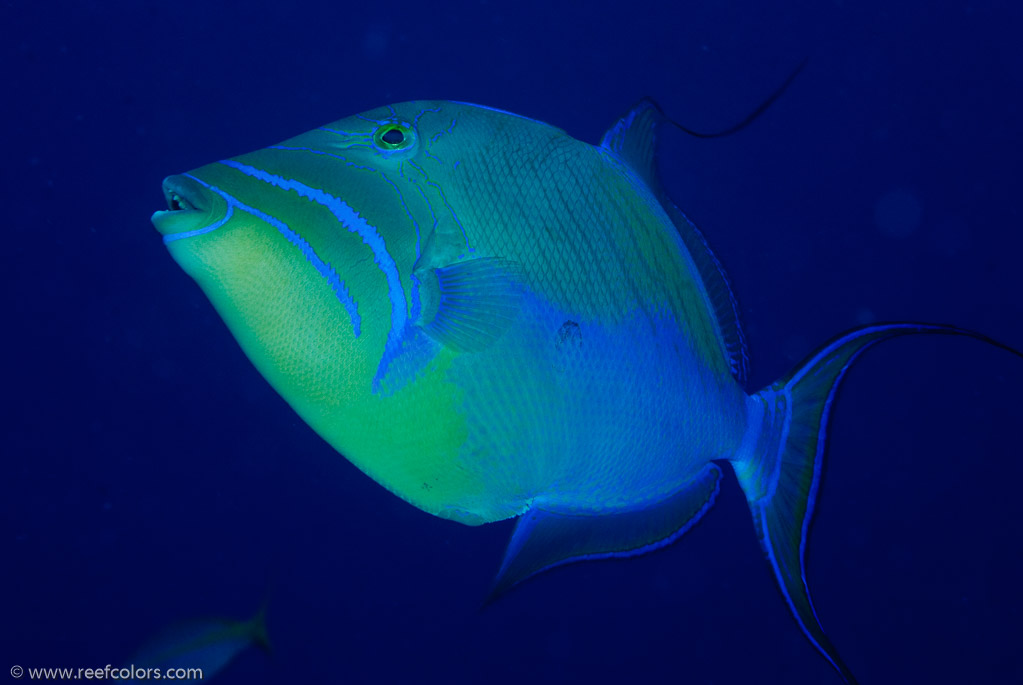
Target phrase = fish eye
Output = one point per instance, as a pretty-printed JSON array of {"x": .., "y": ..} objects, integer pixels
[{"x": 393, "y": 137}]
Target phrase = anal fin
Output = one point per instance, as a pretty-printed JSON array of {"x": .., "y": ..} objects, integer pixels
[{"x": 544, "y": 539}]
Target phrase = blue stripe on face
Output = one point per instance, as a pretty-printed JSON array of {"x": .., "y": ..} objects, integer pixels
[
  {"x": 323, "y": 268},
  {"x": 350, "y": 219},
  {"x": 415, "y": 224}
]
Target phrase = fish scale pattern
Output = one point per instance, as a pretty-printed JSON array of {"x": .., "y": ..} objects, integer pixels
[
  {"x": 625, "y": 412},
  {"x": 525, "y": 205},
  {"x": 605, "y": 386}
]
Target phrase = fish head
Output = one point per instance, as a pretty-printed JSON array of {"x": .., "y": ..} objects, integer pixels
[
  {"x": 314, "y": 253},
  {"x": 307, "y": 248}
]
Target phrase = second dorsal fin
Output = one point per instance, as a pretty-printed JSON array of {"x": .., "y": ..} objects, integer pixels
[{"x": 633, "y": 139}]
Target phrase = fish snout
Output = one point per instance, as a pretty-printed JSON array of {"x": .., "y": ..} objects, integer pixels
[{"x": 191, "y": 207}]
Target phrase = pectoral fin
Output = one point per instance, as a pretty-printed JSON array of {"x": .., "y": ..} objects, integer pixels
[
  {"x": 544, "y": 539},
  {"x": 469, "y": 304}
]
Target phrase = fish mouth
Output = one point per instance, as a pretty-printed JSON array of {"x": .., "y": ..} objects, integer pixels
[{"x": 189, "y": 206}]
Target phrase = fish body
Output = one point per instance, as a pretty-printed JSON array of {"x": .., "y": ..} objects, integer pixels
[
  {"x": 580, "y": 261},
  {"x": 492, "y": 320}
]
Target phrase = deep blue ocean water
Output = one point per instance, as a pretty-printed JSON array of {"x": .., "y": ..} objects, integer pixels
[{"x": 150, "y": 475}]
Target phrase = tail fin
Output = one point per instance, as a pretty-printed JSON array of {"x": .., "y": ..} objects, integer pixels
[
  {"x": 779, "y": 465},
  {"x": 257, "y": 628}
]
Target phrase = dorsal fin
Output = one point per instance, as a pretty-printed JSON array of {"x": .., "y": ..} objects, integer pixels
[{"x": 633, "y": 140}]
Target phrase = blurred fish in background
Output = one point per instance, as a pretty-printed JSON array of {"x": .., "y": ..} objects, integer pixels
[{"x": 207, "y": 644}]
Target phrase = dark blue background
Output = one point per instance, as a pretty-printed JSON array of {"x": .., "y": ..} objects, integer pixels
[{"x": 150, "y": 475}]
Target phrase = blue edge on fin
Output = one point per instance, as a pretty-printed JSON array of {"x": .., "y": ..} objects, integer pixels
[
  {"x": 633, "y": 139},
  {"x": 544, "y": 539},
  {"x": 781, "y": 482},
  {"x": 782, "y": 479}
]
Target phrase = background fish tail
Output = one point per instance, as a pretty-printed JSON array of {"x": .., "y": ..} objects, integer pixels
[
  {"x": 779, "y": 465},
  {"x": 257, "y": 626}
]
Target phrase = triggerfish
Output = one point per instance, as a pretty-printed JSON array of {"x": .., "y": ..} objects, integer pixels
[
  {"x": 198, "y": 649},
  {"x": 492, "y": 320}
]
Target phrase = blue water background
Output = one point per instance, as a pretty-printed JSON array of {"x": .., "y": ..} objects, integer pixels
[{"x": 150, "y": 475}]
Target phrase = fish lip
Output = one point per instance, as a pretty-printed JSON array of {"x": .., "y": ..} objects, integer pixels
[
  {"x": 181, "y": 187},
  {"x": 188, "y": 205}
]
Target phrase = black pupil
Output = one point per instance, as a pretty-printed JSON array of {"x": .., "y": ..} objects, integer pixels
[{"x": 393, "y": 136}]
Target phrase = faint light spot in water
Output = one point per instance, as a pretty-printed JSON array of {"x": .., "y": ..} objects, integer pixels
[
  {"x": 374, "y": 44},
  {"x": 952, "y": 236},
  {"x": 865, "y": 316},
  {"x": 897, "y": 214}
]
